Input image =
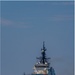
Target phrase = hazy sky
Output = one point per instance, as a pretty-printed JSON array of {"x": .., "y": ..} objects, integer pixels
[{"x": 25, "y": 25}]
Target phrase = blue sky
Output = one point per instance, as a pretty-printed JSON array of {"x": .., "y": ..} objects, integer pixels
[{"x": 25, "y": 25}]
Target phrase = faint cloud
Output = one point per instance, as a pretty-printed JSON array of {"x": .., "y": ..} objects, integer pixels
[
  {"x": 10, "y": 23},
  {"x": 68, "y": 3},
  {"x": 61, "y": 17},
  {"x": 57, "y": 3},
  {"x": 6, "y": 22},
  {"x": 63, "y": 3}
]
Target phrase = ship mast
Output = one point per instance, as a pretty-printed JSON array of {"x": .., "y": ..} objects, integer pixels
[{"x": 43, "y": 60}]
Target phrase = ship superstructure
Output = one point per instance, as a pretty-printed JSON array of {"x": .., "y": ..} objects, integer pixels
[{"x": 43, "y": 66}]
